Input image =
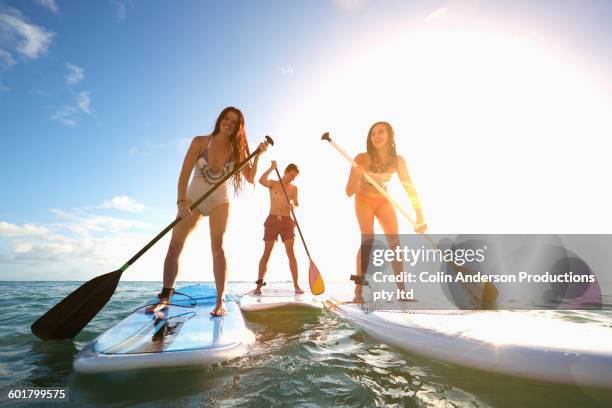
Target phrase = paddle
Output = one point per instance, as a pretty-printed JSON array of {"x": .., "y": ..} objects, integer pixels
[
  {"x": 486, "y": 294},
  {"x": 317, "y": 286},
  {"x": 67, "y": 318}
]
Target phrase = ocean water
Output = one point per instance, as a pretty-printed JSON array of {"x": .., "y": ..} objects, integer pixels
[{"x": 308, "y": 359}]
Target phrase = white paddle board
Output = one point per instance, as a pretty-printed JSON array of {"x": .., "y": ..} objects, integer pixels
[
  {"x": 517, "y": 343},
  {"x": 271, "y": 299},
  {"x": 184, "y": 334}
]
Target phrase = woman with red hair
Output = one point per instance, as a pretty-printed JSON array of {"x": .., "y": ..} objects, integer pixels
[{"x": 209, "y": 158}]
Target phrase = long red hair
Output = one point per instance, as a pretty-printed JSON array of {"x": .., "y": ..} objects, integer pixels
[{"x": 239, "y": 143}]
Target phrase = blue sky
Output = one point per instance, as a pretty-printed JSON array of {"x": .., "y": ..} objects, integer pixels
[{"x": 98, "y": 101}]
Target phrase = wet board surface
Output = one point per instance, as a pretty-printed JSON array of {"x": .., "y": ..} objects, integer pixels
[
  {"x": 280, "y": 298},
  {"x": 518, "y": 343},
  {"x": 183, "y": 334}
]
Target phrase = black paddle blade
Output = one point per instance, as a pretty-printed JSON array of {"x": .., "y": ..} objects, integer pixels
[{"x": 66, "y": 319}]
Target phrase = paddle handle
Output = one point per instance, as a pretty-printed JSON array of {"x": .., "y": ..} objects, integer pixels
[
  {"x": 280, "y": 179},
  {"x": 159, "y": 236}
]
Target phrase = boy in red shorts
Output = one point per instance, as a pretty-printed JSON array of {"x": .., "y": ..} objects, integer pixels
[{"x": 279, "y": 222}]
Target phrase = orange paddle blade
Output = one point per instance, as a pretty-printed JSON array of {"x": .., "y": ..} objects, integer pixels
[{"x": 316, "y": 281}]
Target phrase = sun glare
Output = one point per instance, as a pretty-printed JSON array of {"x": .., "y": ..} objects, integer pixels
[
  {"x": 474, "y": 111},
  {"x": 483, "y": 118}
]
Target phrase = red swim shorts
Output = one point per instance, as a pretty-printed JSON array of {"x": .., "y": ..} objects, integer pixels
[{"x": 276, "y": 225}]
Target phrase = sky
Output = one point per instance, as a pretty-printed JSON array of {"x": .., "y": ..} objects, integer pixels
[{"x": 501, "y": 110}]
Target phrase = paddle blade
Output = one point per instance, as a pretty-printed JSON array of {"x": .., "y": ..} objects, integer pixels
[
  {"x": 315, "y": 280},
  {"x": 66, "y": 319}
]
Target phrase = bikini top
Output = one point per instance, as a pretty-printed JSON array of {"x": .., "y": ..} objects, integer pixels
[
  {"x": 381, "y": 178},
  {"x": 202, "y": 168}
]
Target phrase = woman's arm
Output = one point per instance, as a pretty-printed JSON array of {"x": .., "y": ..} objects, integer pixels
[
  {"x": 356, "y": 174},
  {"x": 188, "y": 162},
  {"x": 402, "y": 172},
  {"x": 250, "y": 170}
]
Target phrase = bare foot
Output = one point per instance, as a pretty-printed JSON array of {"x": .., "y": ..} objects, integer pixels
[
  {"x": 257, "y": 291},
  {"x": 298, "y": 290},
  {"x": 163, "y": 303},
  {"x": 219, "y": 309}
]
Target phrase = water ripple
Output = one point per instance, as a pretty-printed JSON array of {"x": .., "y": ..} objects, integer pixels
[{"x": 299, "y": 360}]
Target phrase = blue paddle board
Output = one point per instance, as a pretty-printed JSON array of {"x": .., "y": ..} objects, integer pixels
[{"x": 183, "y": 334}]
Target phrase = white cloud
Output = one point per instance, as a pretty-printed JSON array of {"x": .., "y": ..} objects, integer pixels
[
  {"x": 13, "y": 230},
  {"x": 27, "y": 39},
  {"x": 76, "y": 235},
  {"x": 44, "y": 250},
  {"x": 6, "y": 58},
  {"x": 35, "y": 243},
  {"x": 22, "y": 247},
  {"x": 17, "y": 36},
  {"x": 81, "y": 222},
  {"x": 124, "y": 203},
  {"x": 65, "y": 115},
  {"x": 286, "y": 69},
  {"x": 57, "y": 248},
  {"x": 439, "y": 14},
  {"x": 83, "y": 100},
  {"x": 49, "y": 4},
  {"x": 75, "y": 74},
  {"x": 74, "y": 245}
]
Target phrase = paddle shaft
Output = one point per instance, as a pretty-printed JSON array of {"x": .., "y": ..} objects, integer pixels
[
  {"x": 280, "y": 179},
  {"x": 194, "y": 205}
]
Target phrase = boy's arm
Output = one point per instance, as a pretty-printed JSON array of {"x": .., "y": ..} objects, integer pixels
[
  {"x": 263, "y": 180},
  {"x": 294, "y": 197}
]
